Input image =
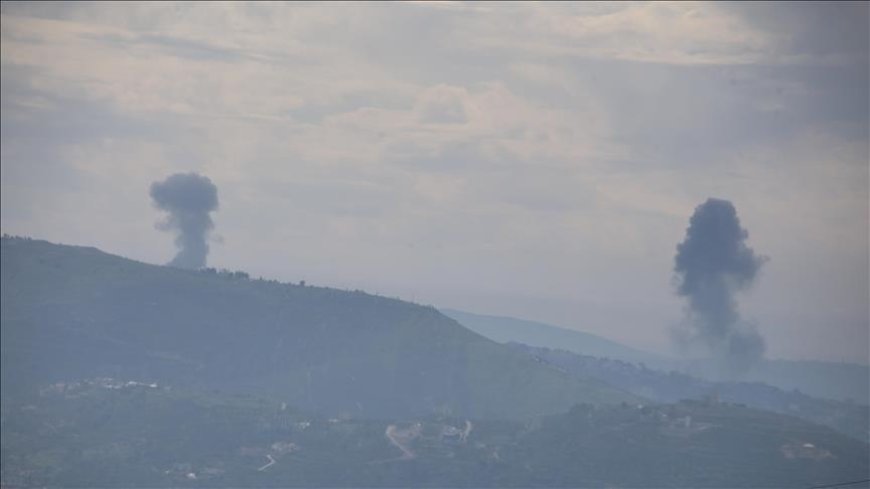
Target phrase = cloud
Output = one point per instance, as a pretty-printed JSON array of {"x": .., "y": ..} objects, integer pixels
[
  {"x": 541, "y": 147},
  {"x": 442, "y": 104},
  {"x": 826, "y": 32}
]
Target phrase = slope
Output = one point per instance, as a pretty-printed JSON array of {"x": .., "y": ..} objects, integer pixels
[
  {"x": 507, "y": 329},
  {"x": 114, "y": 434},
  {"x": 839, "y": 381},
  {"x": 849, "y": 418},
  {"x": 72, "y": 313}
]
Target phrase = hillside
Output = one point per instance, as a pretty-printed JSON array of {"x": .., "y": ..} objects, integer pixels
[
  {"x": 71, "y": 313},
  {"x": 840, "y": 381},
  {"x": 834, "y": 380},
  {"x": 849, "y": 418},
  {"x": 111, "y": 433},
  {"x": 507, "y": 329}
]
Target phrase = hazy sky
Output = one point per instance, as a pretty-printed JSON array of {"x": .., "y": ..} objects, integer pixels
[{"x": 540, "y": 161}]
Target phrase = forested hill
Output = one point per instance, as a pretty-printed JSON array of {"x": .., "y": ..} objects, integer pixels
[
  {"x": 71, "y": 313},
  {"x": 847, "y": 417},
  {"x": 113, "y": 434},
  {"x": 838, "y": 381}
]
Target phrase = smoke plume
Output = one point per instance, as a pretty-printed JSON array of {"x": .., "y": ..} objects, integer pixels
[
  {"x": 188, "y": 198},
  {"x": 711, "y": 265}
]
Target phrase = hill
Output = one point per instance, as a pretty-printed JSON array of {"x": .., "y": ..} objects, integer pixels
[
  {"x": 834, "y": 380},
  {"x": 507, "y": 329},
  {"x": 71, "y": 313},
  {"x": 840, "y": 381},
  {"x": 849, "y": 418},
  {"x": 111, "y": 433}
]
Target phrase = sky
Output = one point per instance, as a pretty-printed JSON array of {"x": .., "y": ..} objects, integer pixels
[{"x": 540, "y": 161}]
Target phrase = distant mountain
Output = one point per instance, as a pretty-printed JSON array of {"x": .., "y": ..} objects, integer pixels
[
  {"x": 844, "y": 381},
  {"x": 846, "y": 417},
  {"x": 113, "y": 433},
  {"x": 72, "y": 313},
  {"x": 507, "y": 329},
  {"x": 841, "y": 381}
]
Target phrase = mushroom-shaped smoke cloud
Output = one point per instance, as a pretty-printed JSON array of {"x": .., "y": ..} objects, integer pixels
[{"x": 188, "y": 198}]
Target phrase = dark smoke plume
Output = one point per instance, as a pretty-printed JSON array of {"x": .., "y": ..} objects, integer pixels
[
  {"x": 713, "y": 263},
  {"x": 188, "y": 198}
]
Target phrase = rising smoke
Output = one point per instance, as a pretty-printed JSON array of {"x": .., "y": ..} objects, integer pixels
[
  {"x": 712, "y": 264},
  {"x": 188, "y": 198}
]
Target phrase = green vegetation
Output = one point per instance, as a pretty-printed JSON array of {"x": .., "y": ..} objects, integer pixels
[
  {"x": 70, "y": 313},
  {"x": 117, "y": 373},
  {"x": 90, "y": 434},
  {"x": 846, "y": 417}
]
